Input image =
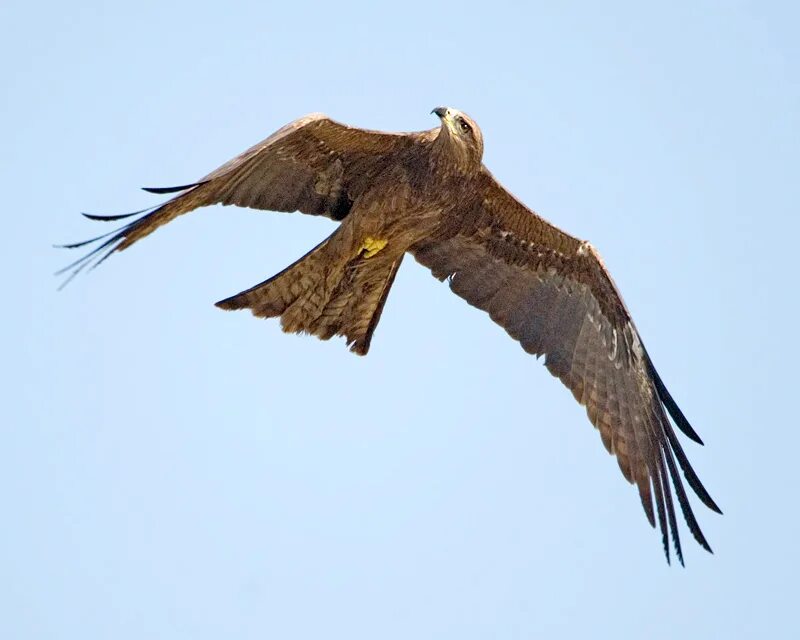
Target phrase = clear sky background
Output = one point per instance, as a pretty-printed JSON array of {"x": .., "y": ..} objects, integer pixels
[{"x": 173, "y": 471}]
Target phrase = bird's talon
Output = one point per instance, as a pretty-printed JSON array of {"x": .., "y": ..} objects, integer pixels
[{"x": 371, "y": 246}]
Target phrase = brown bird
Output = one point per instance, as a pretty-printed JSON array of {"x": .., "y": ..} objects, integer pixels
[{"x": 428, "y": 194}]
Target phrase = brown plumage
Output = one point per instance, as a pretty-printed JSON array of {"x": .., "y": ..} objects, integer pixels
[{"x": 428, "y": 194}]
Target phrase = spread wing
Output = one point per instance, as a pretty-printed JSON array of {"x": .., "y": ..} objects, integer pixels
[
  {"x": 314, "y": 165},
  {"x": 552, "y": 293}
]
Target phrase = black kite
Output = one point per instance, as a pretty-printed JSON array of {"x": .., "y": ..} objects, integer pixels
[{"x": 428, "y": 194}]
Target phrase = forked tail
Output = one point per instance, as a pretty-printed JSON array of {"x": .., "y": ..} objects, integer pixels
[{"x": 320, "y": 296}]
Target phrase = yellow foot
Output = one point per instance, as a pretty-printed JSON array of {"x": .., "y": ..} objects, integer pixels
[{"x": 371, "y": 246}]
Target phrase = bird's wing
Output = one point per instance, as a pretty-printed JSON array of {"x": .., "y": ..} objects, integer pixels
[
  {"x": 314, "y": 165},
  {"x": 552, "y": 293}
]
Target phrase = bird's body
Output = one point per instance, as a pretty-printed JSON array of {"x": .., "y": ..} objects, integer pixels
[
  {"x": 428, "y": 194},
  {"x": 340, "y": 287}
]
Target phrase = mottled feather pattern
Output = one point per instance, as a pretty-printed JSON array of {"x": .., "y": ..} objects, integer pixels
[
  {"x": 552, "y": 293},
  {"x": 427, "y": 193},
  {"x": 311, "y": 165}
]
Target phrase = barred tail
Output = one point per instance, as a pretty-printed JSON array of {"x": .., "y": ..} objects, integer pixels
[{"x": 320, "y": 296}]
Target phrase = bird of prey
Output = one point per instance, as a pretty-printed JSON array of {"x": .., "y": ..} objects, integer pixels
[{"x": 428, "y": 194}]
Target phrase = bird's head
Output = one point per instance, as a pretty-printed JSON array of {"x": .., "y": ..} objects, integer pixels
[{"x": 462, "y": 136}]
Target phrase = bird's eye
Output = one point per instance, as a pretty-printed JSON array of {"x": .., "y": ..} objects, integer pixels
[{"x": 464, "y": 125}]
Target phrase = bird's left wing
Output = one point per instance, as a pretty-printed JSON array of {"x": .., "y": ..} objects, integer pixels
[{"x": 552, "y": 293}]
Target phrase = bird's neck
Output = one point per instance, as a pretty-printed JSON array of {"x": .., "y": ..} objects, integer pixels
[{"x": 454, "y": 156}]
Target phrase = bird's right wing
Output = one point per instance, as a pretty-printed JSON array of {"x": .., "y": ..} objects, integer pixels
[{"x": 314, "y": 165}]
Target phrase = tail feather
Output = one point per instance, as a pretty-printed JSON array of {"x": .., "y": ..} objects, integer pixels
[
  {"x": 275, "y": 295},
  {"x": 356, "y": 307},
  {"x": 317, "y": 296}
]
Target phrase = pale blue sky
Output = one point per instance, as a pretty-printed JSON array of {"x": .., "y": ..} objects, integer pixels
[{"x": 174, "y": 471}]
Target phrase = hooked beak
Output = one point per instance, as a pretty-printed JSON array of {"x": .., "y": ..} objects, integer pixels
[{"x": 440, "y": 111}]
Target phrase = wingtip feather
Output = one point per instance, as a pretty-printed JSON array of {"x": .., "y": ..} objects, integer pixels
[
  {"x": 163, "y": 190},
  {"x": 669, "y": 402}
]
